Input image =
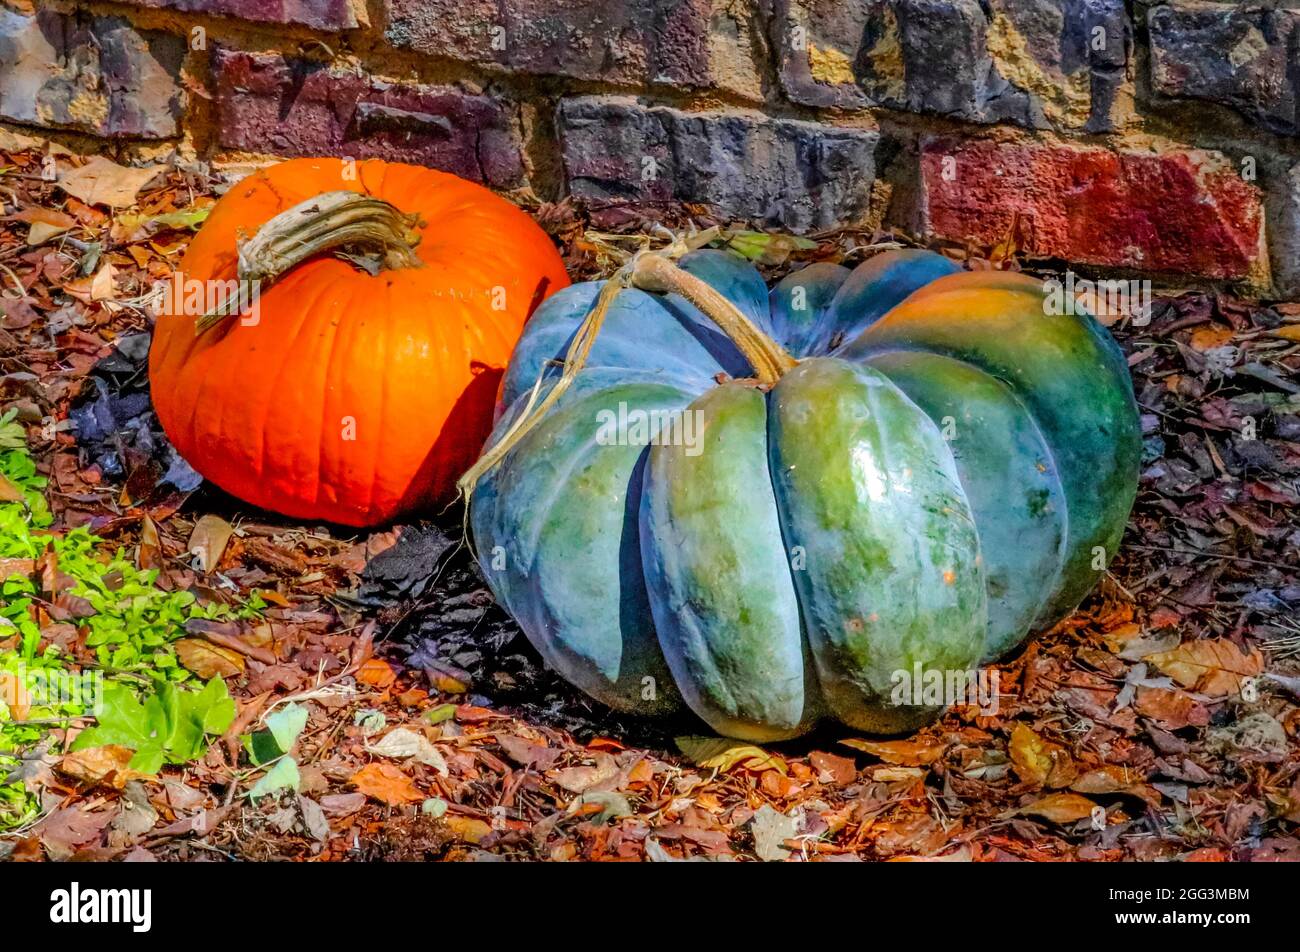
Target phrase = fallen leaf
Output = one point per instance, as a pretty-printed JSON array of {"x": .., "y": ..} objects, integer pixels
[
  {"x": 14, "y": 695},
  {"x": 103, "y": 182},
  {"x": 1131, "y": 643},
  {"x": 342, "y": 804},
  {"x": 1039, "y": 761},
  {"x": 387, "y": 784},
  {"x": 581, "y": 779},
  {"x": 611, "y": 805},
  {"x": 9, "y": 492},
  {"x": 17, "y": 142},
  {"x": 103, "y": 286},
  {"x": 137, "y": 816},
  {"x": 207, "y": 660},
  {"x": 208, "y": 541},
  {"x": 403, "y": 744},
  {"x": 904, "y": 753},
  {"x": 96, "y": 765},
  {"x": 64, "y": 830},
  {"x": 376, "y": 673},
  {"x": 1059, "y": 808},
  {"x": 1210, "y": 336},
  {"x": 466, "y": 828},
  {"x": 149, "y": 554},
  {"x": 897, "y": 774},
  {"x": 46, "y": 223},
  {"x": 1112, "y": 778},
  {"x": 527, "y": 754},
  {"x": 1172, "y": 710},
  {"x": 313, "y": 819},
  {"x": 135, "y": 227},
  {"x": 722, "y": 754},
  {"x": 1211, "y": 666},
  {"x": 841, "y": 770},
  {"x": 960, "y": 855},
  {"x": 771, "y": 829}
]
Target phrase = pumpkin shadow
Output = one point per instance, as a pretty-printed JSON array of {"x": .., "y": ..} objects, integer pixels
[{"x": 469, "y": 423}]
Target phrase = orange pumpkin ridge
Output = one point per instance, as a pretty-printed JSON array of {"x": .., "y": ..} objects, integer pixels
[{"x": 406, "y": 362}]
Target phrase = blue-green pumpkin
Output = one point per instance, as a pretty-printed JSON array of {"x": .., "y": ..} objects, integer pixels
[{"x": 929, "y": 467}]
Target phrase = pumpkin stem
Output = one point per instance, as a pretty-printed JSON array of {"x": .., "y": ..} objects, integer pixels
[
  {"x": 352, "y": 225},
  {"x": 649, "y": 271}
]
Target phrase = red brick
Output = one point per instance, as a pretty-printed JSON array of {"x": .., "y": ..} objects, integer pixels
[
  {"x": 1185, "y": 212},
  {"x": 270, "y": 103}
]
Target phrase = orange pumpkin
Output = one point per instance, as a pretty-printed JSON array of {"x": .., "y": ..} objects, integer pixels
[{"x": 358, "y": 381}]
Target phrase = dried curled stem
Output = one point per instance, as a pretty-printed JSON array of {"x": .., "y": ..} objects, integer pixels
[
  {"x": 648, "y": 271},
  {"x": 330, "y": 222}
]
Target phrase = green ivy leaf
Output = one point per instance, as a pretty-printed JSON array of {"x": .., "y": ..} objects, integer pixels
[
  {"x": 283, "y": 776},
  {"x": 283, "y": 728},
  {"x": 286, "y": 724}
]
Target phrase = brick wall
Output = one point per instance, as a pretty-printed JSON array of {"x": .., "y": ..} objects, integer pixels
[{"x": 1121, "y": 136}]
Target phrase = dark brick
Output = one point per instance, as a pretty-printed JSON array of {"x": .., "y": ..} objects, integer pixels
[
  {"x": 1242, "y": 57},
  {"x": 268, "y": 103},
  {"x": 1284, "y": 231},
  {"x": 1039, "y": 63},
  {"x": 634, "y": 42},
  {"x": 330, "y": 15},
  {"x": 792, "y": 174},
  {"x": 92, "y": 74},
  {"x": 1186, "y": 212}
]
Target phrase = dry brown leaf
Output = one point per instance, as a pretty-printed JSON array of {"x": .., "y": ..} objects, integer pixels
[
  {"x": 66, "y": 829},
  {"x": 14, "y": 695},
  {"x": 897, "y": 774},
  {"x": 904, "y": 753},
  {"x": 1210, "y": 336},
  {"x": 9, "y": 491},
  {"x": 466, "y": 828},
  {"x": 17, "y": 142},
  {"x": 103, "y": 286},
  {"x": 1039, "y": 761},
  {"x": 101, "y": 765},
  {"x": 961, "y": 854},
  {"x": 387, "y": 784},
  {"x": 208, "y": 541},
  {"x": 149, "y": 553},
  {"x": 103, "y": 182},
  {"x": 723, "y": 754},
  {"x": 1059, "y": 808},
  {"x": 208, "y": 660},
  {"x": 1172, "y": 710},
  {"x": 1133, "y": 642},
  {"x": 46, "y": 223},
  {"x": 1112, "y": 778},
  {"x": 1212, "y": 666},
  {"x": 377, "y": 673}
]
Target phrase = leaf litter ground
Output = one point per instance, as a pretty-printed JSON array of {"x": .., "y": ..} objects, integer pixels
[{"x": 376, "y": 675}]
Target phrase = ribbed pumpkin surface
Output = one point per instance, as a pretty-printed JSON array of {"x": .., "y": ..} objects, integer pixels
[
  {"x": 945, "y": 469},
  {"x": 356, "y": 397}
]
